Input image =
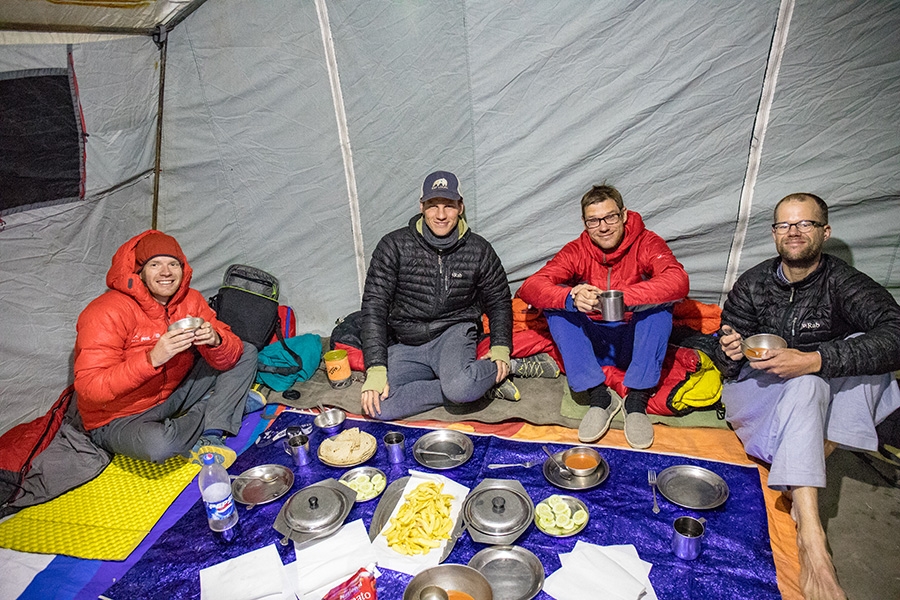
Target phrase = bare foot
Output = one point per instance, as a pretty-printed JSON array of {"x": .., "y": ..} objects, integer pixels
[{"x": 818, "y": 579}]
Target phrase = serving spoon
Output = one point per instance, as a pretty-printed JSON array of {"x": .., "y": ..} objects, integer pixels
[{"x": 564, "y": 472}]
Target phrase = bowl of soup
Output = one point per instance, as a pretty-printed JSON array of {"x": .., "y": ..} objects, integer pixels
[
  {"x": 755, "y": 346},
  {"x": 461, "y": 582},
  {"x": 581, "y": 460}
]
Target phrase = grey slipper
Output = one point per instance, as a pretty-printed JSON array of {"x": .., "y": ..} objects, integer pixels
[
  {"x": 638, "y": 430},
  {"x": 596, "y": 422}
]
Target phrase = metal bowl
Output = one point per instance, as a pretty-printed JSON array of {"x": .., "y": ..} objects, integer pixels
[
  {"x": 186, "y": 323},
  {"x": 450, "y": 577},
  {"x": 585, "y": 459},
  {"x": 331, "y": 421},
  {"x": 754, "y": 347}
]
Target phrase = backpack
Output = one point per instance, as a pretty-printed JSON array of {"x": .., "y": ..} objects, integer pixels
[{"x": 248, "y": 303}]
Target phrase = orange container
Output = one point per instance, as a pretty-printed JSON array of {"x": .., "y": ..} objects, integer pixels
[{"x": 337, "y": 366}]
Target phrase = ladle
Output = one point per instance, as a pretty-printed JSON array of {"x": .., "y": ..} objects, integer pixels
[{"x": 563, "y": 471}]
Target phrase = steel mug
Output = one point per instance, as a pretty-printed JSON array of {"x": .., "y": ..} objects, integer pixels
[
  {"x": 297, "y": 446},
  {"x": 395, "y": 442},
  {"x": 612, "y": 305},
  {"x": 686, "y": 537}
]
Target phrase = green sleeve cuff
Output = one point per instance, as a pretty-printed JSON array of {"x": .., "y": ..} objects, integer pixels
[
  {"x": 376, "y": 379},
  {"x": 500, "y": 353}
]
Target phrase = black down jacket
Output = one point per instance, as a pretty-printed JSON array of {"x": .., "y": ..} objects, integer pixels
[
  {"x": 818, "y": 313},
  {"x": 414, "y": 292}
]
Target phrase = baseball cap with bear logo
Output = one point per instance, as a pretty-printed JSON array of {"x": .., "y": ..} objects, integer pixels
[{"x": 441, "y": 184}]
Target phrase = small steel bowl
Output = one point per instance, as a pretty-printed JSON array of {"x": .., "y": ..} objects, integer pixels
[
  {"x": 186, "y": 323},
  {"x": 755, "y": 346},
  {"x": 331, "y": 421},
  {"x": 583, "y": 454}
]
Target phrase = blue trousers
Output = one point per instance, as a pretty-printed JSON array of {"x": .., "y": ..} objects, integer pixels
[{"x": 638, "y": 347}]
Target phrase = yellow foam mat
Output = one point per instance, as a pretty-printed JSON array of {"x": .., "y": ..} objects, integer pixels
[{"x": 104, "y": 519}]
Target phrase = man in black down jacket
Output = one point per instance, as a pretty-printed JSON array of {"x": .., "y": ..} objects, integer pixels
[
  {"x": 427, "y": 286},
  {"x": 829, "y": 387}
]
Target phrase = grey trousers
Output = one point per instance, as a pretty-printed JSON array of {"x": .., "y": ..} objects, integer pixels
[
  {"x": 445, "y": 369},
  {"x": 786, "y": 421},
  {"x": 206, "y": 399}
]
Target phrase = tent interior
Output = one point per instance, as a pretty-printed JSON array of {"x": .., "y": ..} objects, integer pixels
[{"x": 292, "y": 136}]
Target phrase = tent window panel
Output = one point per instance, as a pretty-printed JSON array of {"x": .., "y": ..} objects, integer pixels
[{"x": 40, "y": 140}]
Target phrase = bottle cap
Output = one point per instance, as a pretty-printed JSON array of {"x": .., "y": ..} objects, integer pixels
[{"x": 208, "y": 458}]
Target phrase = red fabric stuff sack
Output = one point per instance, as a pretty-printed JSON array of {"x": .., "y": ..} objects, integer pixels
[{"x": 287, "y": 324}]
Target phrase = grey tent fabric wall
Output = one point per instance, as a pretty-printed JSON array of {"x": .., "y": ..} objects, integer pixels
[{"x": 529, "y": 103}]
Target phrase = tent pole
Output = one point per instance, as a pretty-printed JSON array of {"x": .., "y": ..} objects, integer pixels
[{"x": 162, "y": 41}]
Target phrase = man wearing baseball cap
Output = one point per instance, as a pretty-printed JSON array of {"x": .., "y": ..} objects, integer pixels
[
  {"x": 147, "y": 392},
  {"x": 427, "y": 286}
]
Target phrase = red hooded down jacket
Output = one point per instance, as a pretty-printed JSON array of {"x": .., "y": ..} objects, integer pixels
[
  {"x": 113, "y": 375},
  {"x": 642, "y": 267}
]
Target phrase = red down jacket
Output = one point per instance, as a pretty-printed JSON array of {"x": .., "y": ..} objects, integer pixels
[
  {"x": 642, "y": 267},
  {"x": 113, "y": 375}
]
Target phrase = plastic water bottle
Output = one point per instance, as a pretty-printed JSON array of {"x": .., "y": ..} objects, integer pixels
[{"x": 215, "y": 486}]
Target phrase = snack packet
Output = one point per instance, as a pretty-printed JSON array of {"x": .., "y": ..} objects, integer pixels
[{"x": 360, "y": 586}]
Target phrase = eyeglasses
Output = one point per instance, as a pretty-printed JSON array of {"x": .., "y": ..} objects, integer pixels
[
  {"x": 594, "y": 222},
  {"x": 802, "y": 226}
]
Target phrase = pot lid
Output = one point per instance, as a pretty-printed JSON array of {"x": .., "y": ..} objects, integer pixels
[
  {"x": 316, "y": 508},
  {"x": 498, "y": 510}
]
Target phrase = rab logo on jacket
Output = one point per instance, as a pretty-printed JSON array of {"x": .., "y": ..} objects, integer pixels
[
  {"x": 811, "y": 325},
  {"x": 439, "y": 184},
  {"x": 456, "y": 275}
]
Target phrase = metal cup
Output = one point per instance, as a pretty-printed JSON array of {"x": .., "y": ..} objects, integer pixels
[
  {"x": 395, "y": 444},
  {"x": 686, "y": 537},
  {"x": 612, "y": 305},
  {"x": 297, "y": 446}
]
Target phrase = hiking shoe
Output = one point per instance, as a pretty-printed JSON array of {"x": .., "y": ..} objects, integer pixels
[
  {"x": 255, "y": 401},
  {"x": 596, "y": 422},
  {"x": 505, "y": 390},
  {"x": 638, "y": 430},
  {"x": 215, "y": 445},
  {"x": 536, "y": 365}
]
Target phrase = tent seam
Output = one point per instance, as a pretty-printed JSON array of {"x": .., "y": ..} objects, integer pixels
[
  {"x": 340, "y": 115},
  {"x": 760, "y": 125}
]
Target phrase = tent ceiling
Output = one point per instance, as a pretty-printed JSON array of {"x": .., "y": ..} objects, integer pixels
[{"x": 94, "y": 16}]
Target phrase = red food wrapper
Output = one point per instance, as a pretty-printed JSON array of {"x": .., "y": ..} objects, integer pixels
[{"x": 360, "y": 586}]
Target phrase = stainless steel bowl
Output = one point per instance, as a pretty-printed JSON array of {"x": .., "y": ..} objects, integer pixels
[
  {"x": 585, "y": 454},
  {"x": 754, "y": 347},
  {"x": 331, "y": 421},
  {"x": 186, "y": 323},
  {"x": 460, "y": 578}
]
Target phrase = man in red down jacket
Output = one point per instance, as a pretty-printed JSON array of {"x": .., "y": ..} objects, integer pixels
[
  {"x": 614, "y": 252},
  {"x": 149, "y": 393}
]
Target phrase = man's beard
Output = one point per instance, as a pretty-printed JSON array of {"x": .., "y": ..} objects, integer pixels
[{"x": 805, "y": 258}]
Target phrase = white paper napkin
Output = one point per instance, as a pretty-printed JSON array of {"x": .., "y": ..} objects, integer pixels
[
  {"x": 616, "y": 572},
  {"x": 328, "y": 562},
  {"x": 413, "y": 565},
  {"x": 256, "y": 575}
]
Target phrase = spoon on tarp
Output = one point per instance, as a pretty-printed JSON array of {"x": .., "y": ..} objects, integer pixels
[{"x": 563, "y": 471}]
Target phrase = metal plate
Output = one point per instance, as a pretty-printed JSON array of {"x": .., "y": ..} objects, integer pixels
[
  {"x": 551, "y": 473},
  {"x": 449, "y": 441},
  {"x": 262, "y": 484},
  {"x": 369, "y": 472},
  {"x": 692, "y": 487},
  {"x": 514, "y": 572},
  {"x": 574, "y": 504},
  {"x": 389, "y": 499}
]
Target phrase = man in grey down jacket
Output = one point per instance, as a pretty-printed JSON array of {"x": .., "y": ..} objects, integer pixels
[
  {"x": 427, "y": 286},
  {"x": 829, "y": 387}
]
